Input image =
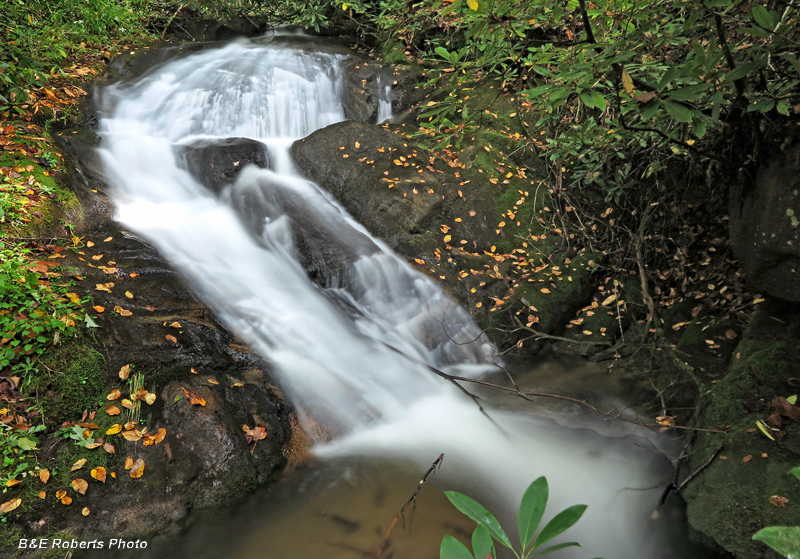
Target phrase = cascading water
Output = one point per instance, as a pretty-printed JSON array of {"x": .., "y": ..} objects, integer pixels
[{"x": 351, "y": 351}]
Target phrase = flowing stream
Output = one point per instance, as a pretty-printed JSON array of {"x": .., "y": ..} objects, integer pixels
[{"x": 351, "y": 352}]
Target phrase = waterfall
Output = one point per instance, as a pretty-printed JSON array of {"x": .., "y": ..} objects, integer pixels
[{"x": 351, "y": 351}]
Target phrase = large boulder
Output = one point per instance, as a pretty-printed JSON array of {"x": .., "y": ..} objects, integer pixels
[
  {"x": 368, "y": 83},
  {"x": 217, "y": 163},
  {"x": 765, "y": 227}
]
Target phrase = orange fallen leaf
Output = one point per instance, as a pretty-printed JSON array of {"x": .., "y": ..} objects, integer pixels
[
  {"x": 89, "y": 244},
  {"x": 130, "y": 425},
  {"x": 127, "y": 404},
  {"x": 194, "y": 398},
  {"x": 128, "y": 463},
  {"x": 13, "y": 482},
  {"x": 124, "y": 372},
  {"x": 160, "y": 435},
  {"x": 747, "y": 458},
  {"x": 80, "y": 485},
  {"x": 44, "y": 475},
  {"x": 255, "y": 434},
  {"x": 193, "y": 371},
  {"x": 91, "y": 446},
  {"x": 8, "y": 506},
  {"x": 99, "y": 474},
  {"x": 545, "y": 290},
  {"x": 132, "y": 435},
  {"x": 66, "y": 500},
  {"x": 212, "y": 381},
  {"x": 107, "y": 239},
  {"x": 114, "y": 394},
  {"x": 61, "y": 493},
  {"x": 778, "y": 501},
  {"x": 137, "y": 469},
  {"x": 103, "y": 287},
  {"x": 97, "y": 257},
  {"x": 175, "y": 325},
  {"x": 150, "y": 308},
  {"x": 114, "y": 429},
  {"x": 129, "y": 295},
  {"x": 113, "y": 410},
  {"x": 730, "y": 334},
  {"x": 99, "y": 309},
  {"x": 121, "y": 311},
  {"x": 42, "y": 494},
  {"x": 78, "y": 465},
  {"x": 171, "y": 338},
  {"x": 666, "y": 420}
]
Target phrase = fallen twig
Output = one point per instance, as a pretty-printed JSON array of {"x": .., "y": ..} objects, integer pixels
[{"x": 377, "y": 553}]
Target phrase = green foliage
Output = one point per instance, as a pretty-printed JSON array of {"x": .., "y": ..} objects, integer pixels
[
  {"x": 16, "y": 448},
  {"x": 531, "y": 511},
  {"x": 33, "y": 315},
  {"x": 37, "y": 36}
]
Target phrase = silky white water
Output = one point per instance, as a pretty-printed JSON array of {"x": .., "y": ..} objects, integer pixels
[{"x": 331, "y": 344}]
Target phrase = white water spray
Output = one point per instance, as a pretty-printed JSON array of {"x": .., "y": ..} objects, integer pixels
[{"x": 332, "y": 344}]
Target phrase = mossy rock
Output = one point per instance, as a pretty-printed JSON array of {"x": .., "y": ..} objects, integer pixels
[{"x": 730, "y": 500}]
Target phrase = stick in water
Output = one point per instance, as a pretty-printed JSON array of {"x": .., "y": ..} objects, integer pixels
[{"x": 378, "y": 553}]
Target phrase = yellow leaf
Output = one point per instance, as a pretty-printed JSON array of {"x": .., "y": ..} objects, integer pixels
[
  {"x": 150, "y": 398},
  {"x": 121, "y": 311},
  {"x": 128, "y": 463},
  {"x": 608, "y": 300},
  {"x": 99, "y": 474},
  {"x": 127, "y": 404},
  {"x": 137, "y": 469},
  {"x": 175, "y": 325},
  {"x": 13, "y": 482},
  {"x": 8, "y": 506},
  {"x": 114, "y": 394},
  {"x": 212, "y": 381},
  {"x": 107, "y": 239},
  {"x": 80, "y": 485},
  {"x": 132, "y": 435},
  {"x": 473, "y": 5},
  {"x": 114, "y": 429},
  {"x": 89, "y": 244},
  {"x": 545, "y": 290},
  {"x": 447, "y": 238},
  {"x": 85, "y": 511},
  {"x": 763, "y": 428},
  {"x": 627, "y": 83},
  {"x": 124, "y": 373},
  {"x": 78, "y": 465},
  {"x": 129, "y": 295}
]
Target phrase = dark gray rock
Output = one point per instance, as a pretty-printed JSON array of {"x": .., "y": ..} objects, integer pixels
[
  {"x": 366, "y": 83},
  {"x": 217, "y": 163},
  {"x": 765, "y": 227}
]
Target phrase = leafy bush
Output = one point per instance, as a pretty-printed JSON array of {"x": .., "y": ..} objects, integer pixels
[{"x": 531, "y": 510}]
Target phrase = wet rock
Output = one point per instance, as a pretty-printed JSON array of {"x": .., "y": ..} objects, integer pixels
[
  {"x": 765, "y": 227},
  {"x": 368, "y": 82},
  {"x": 217, "y": 163},
  {"x": 362, "y": 186}
]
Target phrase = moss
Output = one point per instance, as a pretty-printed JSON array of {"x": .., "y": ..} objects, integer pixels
[{"x": 70, "y": 379}]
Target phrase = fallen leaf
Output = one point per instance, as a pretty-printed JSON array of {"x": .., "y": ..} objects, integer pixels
[
  {"x": 80, "y": 485},
  {"x": 114, "y": 394},
  {"x": 128, "y": 463},
  {"x": 645, "y": 97},
  {"x": 257, "y": 433},
  {"x": 66, "y": 500},
  {"x": 78, "y": 465},
  {"x": 132, "y": 435},
  {"x": 92, "y": 446},
  {"x": 237, "y": 384},
  {"x": 89, "y": 244},
  {"x": 61, "y": 493},
  {"x": 130, "y": 425},
  {"x": 99, "y": 474},
  {"x": 150, "y": 398},
  {"x": 545, "y": 290},
  {"x": 114, "y": 429},
  {"x": 108, "y": 447},
  {"x": 730, "y": 334},
  {"x": 778, "y": 501},
  {"x": 129, "y": 295},
  {"x": 137, "y": 469},
  {"x": 113, "y": 410},
  {"x": 102, "y": 287},
  {"x": 13, "y": 482},
  {"x": 42, "y": 494},
  {"x": 44, "y": 475},
  {"x": 171, "y": 338},
  {"x": 127, "y": 404},
  {"x": 121, "y": 311},
  {"x": 212, "y": 381},
  {"x": 160, "y": 435},
  {"x": 99, "y": 309},
  {"x": 747, "y": 458},
  {"x": 8, "y": 506},
  {"x": 666, "y": 420},
  {"x": 107, "y": 239},
  {"x": 194, "y": 398},
  {"x": 124, "y": 373},
  {"x": 85, "y": 511},
  {"x": 97, "y": 257},
  {"x": 193, "y": 371}
]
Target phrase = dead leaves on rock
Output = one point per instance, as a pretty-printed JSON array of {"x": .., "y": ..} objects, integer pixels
[
  {"x": 80, "y": 485},
  {"x": 254, "y": 435},
  {"x": 194, "y": 398},
  {"x": 99, "y": 474},
  {"x": 8, "y": 506}
]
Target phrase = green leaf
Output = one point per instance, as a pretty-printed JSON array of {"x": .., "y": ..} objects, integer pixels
[
  {"x": 89, "y": 322},
  {"x": 586, "y": 99},
  {"x": 698, "y": 127},
  {"x": 556, "y": 548},
  {"x": 795, "y": 472},
  {"x": 451, "y": 548},
  {"x": 677, "y": 111},
  {"x": 443, "y": 52},
  {"x": 688, "y": 93},
  {"x": 793, "y": 398},
  {"x": 743, "y": 69},
  {"x": 718, "y": 3},
  {"x": 531, "y": 509},
  {"x": 762, "y": 105},
  {"x": 26, "y": 444},
  {"x": 762, "y": 17},
  {"x": 479, "y": 514},
  {"x": 560, "y": 523},
  {"x": 783, "y": 539},
  {"x": 598, "y": 99},
  {"x": 482, "y": 544}
]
